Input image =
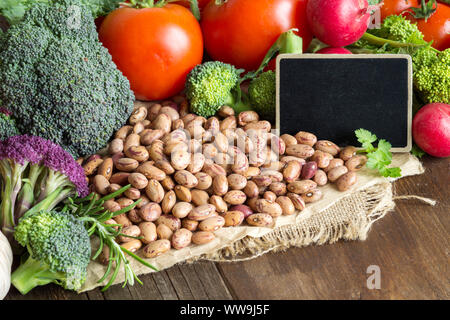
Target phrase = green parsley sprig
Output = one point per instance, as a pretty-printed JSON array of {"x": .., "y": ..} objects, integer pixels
[{"x": 379, "y": 158}]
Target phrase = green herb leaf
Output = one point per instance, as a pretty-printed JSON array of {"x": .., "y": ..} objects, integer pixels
[
  {"x": 366, "y": 138},
  {"x": 377, "y": 158},
  {"x": 416, "y": 151}
]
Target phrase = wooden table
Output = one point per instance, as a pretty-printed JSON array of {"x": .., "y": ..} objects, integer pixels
[{"x": 410, "y": 245}]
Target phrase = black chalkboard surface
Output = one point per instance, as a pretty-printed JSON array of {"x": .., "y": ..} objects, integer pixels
[{"x": 333, "y": 95}]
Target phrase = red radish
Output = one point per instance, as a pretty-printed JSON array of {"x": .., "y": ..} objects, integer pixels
[
  {"x": 431, "y": 129},
  {"x": 338, "y": 23},
  {"x": 330, "y": 50}
]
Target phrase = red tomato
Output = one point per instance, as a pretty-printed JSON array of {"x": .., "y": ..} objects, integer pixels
[
  {"x": 391, "y": 7},
  {"x": 155, "y": 48},
  {"x": 240, "y": 32},
  {"x": 187, "y": 3},
  {"x": 437, "y": 27}
]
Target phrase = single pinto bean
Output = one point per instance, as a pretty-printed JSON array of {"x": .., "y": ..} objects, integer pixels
[
  {"x": 202, "y": 237},
  {"x": 220, "y": 185},
  {"x": 278, "y": 188},
  {"x": 235, "y": 197},
  {"x": 346, "y": 181},
  {"x": 127, "y": 164},
  {"x": 212, "y": 223},
  {"x": 347, "y": 153},
  {"x": 260, "y": 220},
  {"x": 286, "y": 205},
  {"x": 297, "y": 200},
  {"x": 309, "y": 170},
  {"x": 302, "y": 151},
  {"x": 190, "y": 225},
  {"x": 219, "y": 203},
  {"x": 322, "y": 158},
  {"x": 138, "y": 180},
  {"x": 91, "y": 166},
  {"x": 292, "y": 171},
  {"x": 164, "y": 232},
  {"x": 181, "y": 239},
  {"x": 327, "y": 146},
  {"x": 156, "y": 248},
  {"x": 182, "y": 209},
  {"x": 183, "y": 193},
  {"x": 306, "y": 138},
  {"x": 233, "y": 218},
  {"x": 300, "y": 187},
  {"x": 270, "y": 196},
  {"x": 199, "y": 197},
  {"x": 247, "y": 117},
  {"x": 130, "y": 231},
  {"x": 168, "y": 202},
  {"x": 101, "y": 184},
  {"x": 356, "y": 163},
  {"x": 116, "y": 146},
  {"x": 132, "y": 194},
  {"x": 333, "y": 164},
  {"x": 312, "y": 196},
  {"x": 106, "y": 168},
  {"x": 172, "y": 222},
  {"x": 320, "y": 178},
  {"x": 150, "y": 212},
  {"x": 271, "y": 208},
  {"x": 148, "y": 232},
  {"x": 336, "y": 173},
  {"x": 288, "y": 139},
  {"x": 138, "y": 153}
]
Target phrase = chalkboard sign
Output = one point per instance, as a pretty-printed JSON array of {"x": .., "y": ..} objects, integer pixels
[{"x": 333, "y": 95}]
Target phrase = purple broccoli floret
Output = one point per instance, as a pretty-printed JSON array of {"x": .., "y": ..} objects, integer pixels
[{"x": 37, "y": 174}]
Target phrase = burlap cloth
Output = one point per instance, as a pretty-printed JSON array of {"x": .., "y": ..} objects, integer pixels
[{"x": 338, "y": 216}]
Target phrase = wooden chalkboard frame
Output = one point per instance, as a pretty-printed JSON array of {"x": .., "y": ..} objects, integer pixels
[{"x": 280, "y": 57}]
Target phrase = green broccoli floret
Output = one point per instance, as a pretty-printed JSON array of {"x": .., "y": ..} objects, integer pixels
[
  {"x": 432, "y": 75},
  {"x": 214, "y": 84},
  {"x": 431, "y": 67},
  {"x": 59, "y": 249},
  {"x": 398, "y": 28},
  {"x": 8, "y": 126},
  {"x": 263, "y": 96},
  {"x": 209, "y": 86},
  {"x": 60, "y": 82}
]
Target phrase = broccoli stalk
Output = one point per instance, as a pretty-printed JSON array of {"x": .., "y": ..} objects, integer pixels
[
  {"x": 36, "y": 175},
  {"x": 34, "y": 273},
  {"x": 213, "y": 84}
]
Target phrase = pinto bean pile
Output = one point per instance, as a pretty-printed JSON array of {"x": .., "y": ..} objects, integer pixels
[{"x": 196, "y": 175}]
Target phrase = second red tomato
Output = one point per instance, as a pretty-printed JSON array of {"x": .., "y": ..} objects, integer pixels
[{"x": 240, "y": 32}]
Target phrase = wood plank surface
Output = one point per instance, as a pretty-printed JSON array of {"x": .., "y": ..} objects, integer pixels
[{"x": 410, "y": 246}]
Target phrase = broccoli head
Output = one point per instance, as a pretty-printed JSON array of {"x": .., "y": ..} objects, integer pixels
[
  {"x": 262, "y": 95},
  {"x": 14, "y": 10},
  {"x": 398, "y": 28},
  {"x": 60, "y": 82},
  {"x": 432, "y": 75},
  {"x": 59, "y": 248},
  {"x": 431, "y": 66},
  {"x": 209, "y": 86},
  {"x": 8, "y": 126}
]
